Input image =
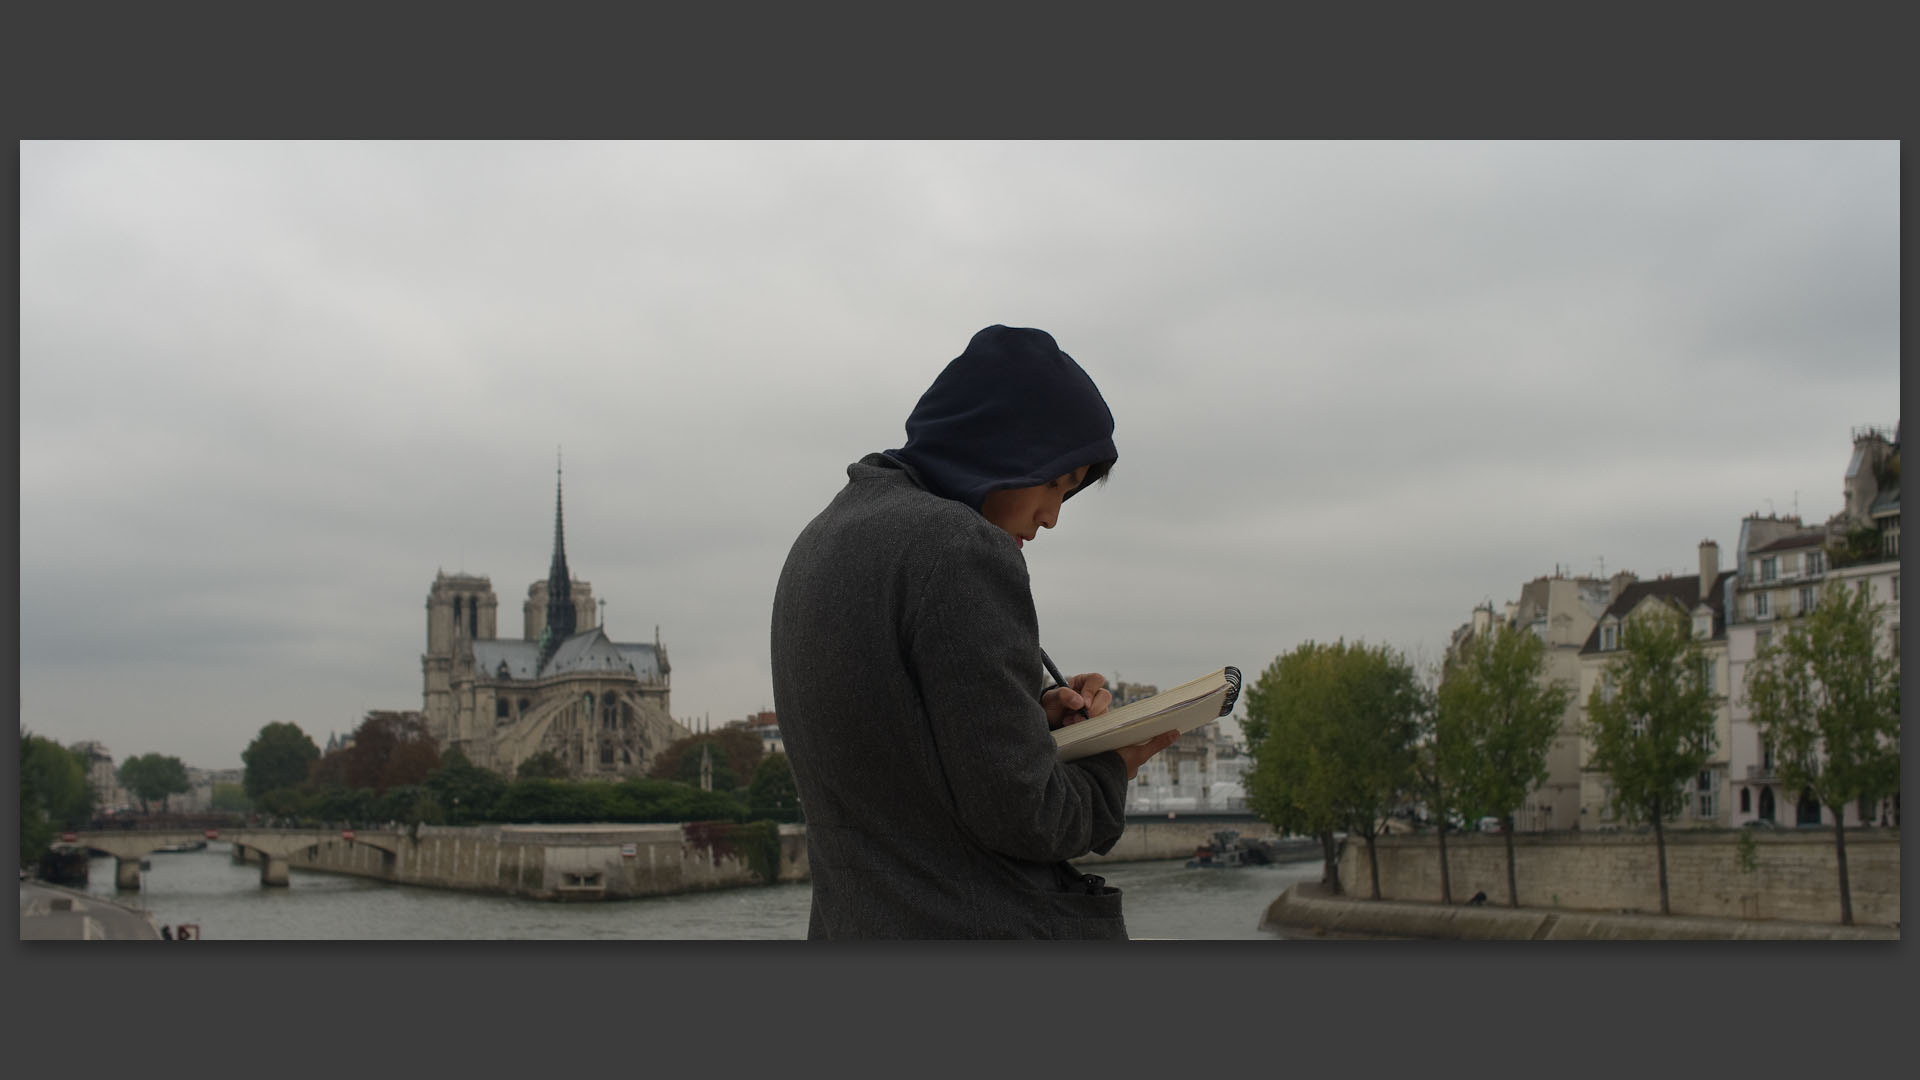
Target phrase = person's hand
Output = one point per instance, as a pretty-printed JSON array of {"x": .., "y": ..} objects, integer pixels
[
  {"x": 1063, "y": 703},
  {"x": 1137, "y": 754}
]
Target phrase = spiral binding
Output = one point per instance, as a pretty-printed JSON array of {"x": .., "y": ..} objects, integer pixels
[{"x": 1233, "y": 690}]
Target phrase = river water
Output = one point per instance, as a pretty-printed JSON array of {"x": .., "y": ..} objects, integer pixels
[{"x": 1163, "y": 900}]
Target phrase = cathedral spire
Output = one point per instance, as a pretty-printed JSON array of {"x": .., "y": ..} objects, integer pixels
[{"x": 560, "y": 614}]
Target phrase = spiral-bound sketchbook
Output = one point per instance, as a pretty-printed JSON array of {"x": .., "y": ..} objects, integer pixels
[{"x": 1182, "y": 708}]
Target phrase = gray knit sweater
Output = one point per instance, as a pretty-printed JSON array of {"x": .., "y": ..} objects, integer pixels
[{"x": 907, "y": 677}]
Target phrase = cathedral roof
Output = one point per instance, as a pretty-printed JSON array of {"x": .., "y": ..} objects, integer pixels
[
  {"x": 590, "y": 652},
  {"x": 520, "y": 658}
]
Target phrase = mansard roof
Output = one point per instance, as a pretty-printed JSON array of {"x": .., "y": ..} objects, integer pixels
[
  {"x": 1684, "y": 592},
  {"x": 1886, "y": 503},
  {"x": 1798, "y": 540}
]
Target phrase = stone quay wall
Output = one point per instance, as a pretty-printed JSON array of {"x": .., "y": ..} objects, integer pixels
[
  {"x": 1795, "y": 876},
  {"x": 562, "y": 862},
  {"x": 557, "y": 862},
  {"x": 1175, "y": 838}
]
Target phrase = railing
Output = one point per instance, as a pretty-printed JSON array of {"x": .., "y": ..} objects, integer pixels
[
  {"x": 167, "y": 823},
  {"x": 1759, "y": 772}
]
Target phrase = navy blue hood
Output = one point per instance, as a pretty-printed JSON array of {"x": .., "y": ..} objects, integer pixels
[{"x": 1011, "y": 411}]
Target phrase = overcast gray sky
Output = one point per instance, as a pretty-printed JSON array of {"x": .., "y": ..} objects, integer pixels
[{"x": 268, "y": 390}]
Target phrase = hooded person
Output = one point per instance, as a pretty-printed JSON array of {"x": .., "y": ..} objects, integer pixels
[{"x": 908, "y": 676}]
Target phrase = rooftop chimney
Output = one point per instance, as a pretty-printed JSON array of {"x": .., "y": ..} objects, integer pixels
[{"x": 1709, "y": 566}]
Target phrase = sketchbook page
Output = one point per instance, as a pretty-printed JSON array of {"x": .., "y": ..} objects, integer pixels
[
  {"x": 1182, "y": 718},
  {"x": 1185, "y": 707}
]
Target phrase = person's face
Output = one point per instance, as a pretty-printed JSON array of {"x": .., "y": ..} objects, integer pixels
[{"x": 1022, "y": 512}]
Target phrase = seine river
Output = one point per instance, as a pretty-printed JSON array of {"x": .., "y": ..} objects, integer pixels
[{"x": 1163, "y": 900}]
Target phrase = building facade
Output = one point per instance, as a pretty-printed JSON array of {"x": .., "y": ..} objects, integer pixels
[
  {"x": 1783, "y": 567},
  {"x": 1700, "y": 598},
  {"x": 1561, "y": 611},
  {"x": 564, "y": 686},
  {"x": 108, "y": 795}
]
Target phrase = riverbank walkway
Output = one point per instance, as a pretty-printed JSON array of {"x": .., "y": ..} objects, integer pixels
[
  {"x": 1308, "y": 911},
  {"x": 51, "y": 913}
]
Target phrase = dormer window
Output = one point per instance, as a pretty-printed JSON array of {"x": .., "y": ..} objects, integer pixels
[
  {"x": 1816, "y": 562},
  {"x": 1703, "y": 625},
  {"x": 1609, "y": 637},
  {"x": 1769, "y": 569}
]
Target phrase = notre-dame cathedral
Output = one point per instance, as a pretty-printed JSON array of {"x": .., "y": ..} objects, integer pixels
[{"x": 564, "y": 686}]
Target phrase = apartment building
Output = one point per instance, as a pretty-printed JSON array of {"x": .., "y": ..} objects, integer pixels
[
  {"x": 1701, "y": 599},
  {"x": 1782, "y": 569},
  {"x": 1561, "y": 611}
]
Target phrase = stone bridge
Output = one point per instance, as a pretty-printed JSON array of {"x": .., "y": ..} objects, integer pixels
[{"x": 272, "y": 846}]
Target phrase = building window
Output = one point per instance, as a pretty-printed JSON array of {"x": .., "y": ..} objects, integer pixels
[
  {"x": 1816, "y": 562},
  {"x": 1703, "y": 626},
  {"x": 1704, "y": 670},
  {"x": 1609, "y": 638},
  {"x": 1704, "y": 788},
  {"x": 1769, "y": 569},
  {"x": 1806, "y": 598},
  {"x": 1866, "y": 810},
  {"x": 500, "y": 708},
  {"x": 1746, "y": 800},
  {"x": 1760, "y": 606}
]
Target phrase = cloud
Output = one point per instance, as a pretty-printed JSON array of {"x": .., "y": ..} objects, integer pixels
[{"x": 267, "y": 390}]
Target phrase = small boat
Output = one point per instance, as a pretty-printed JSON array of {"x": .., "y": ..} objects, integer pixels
[
  {"x": 1225, "y": 852},
  {"x": 65, "y": 864}
]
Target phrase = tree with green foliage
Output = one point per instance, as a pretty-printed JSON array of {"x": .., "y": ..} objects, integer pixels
[
  {"x": 701, "y": 758},
  {"x": 545, "y": 765},
  {"x": 409, "y": 804},
  {"x": 231, "y": 798},
  {"x": 772, "y": 793},
  {"x": 465, "y": 792},
  {"x": 1496, "y": 717},
  {"x": 154, "y": 777},
  {"x": 1650, "y": 722},
  {"x": 1333, "y": 731},
  {"x": 278, "y": 757},
  {"x": 1826, "y": 693},
  {"x": 736, "y": 752},
  {"x": 54, "y": 794},
  {"x": 1439, "y": 771}
]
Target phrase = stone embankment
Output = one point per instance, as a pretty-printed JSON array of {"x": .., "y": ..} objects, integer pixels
[
  {"x": 558, "y": 862},
  {"x": 1307, "y": 911},
  {"x": 605, "y": 862},
  {"x": 1787, "y": 875}
]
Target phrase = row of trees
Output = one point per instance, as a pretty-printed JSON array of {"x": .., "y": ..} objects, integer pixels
[
  {"x": 1343, "y": 735},
  {"x": 153, "y": 778},
  {"x": 55, "y": 794},
  {"x": 391, "y": 770}
]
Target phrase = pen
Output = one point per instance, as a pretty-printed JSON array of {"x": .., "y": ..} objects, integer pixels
[{"x": 1055, "y": 672}]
